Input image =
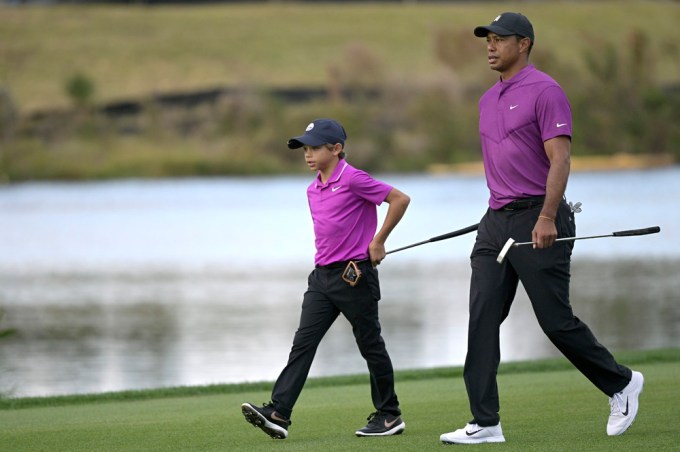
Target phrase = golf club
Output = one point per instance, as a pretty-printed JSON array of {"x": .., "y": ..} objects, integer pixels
[
  {"x": 511, "y": 242},
  {"x": 352, "y": 274},
  {"x": 448, "y": 235}
]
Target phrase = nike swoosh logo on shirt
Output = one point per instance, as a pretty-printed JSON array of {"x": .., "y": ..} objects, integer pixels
[
  {"x": 512, "y": 107},
  {"x": 334, "y": 189},
  {"x": 561, "y": 125}
]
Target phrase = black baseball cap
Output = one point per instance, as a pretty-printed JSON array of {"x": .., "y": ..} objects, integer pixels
[
  {"x": 320, "y": 132},
  {"x": 507, "y": 24}
]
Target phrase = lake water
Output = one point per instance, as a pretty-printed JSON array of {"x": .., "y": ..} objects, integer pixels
[{"x": 140, "y": 284}]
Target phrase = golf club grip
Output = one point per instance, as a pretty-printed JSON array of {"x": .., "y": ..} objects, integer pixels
[
  {"x": 455, "y": 233},
  {"x": 644, "y": 231}
]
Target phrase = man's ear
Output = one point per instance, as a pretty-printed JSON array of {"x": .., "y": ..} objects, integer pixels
[{"x": 524, "y": 45}]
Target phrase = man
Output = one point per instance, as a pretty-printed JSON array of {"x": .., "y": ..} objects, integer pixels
[
  {"x": 525, "y": 129},
  {"x": 342, "y": 201}
]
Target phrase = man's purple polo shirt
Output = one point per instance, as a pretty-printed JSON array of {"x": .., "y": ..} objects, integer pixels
[
  {"x": 344, "y": 213},
  {"x": 516, "y": 117}
]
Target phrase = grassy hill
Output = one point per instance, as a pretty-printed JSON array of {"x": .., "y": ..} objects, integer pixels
[
  {"x": 619, "y": 62},
  {"x": 130, "y": 51}
]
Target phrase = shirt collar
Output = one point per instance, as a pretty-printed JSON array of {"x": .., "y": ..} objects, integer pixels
[
  {"x": 337, "y": 173},
  {"x": 521, "y": 75}
]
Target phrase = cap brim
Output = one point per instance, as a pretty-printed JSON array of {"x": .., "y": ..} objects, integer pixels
[
  {"x": 482, "y": 31},
  {"x": 304, "y": 140}
]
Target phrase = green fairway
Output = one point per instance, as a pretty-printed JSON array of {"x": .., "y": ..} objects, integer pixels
[{"x": 546, "y": 405}]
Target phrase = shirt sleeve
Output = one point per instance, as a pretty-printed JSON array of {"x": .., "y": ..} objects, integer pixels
[
  {"x": 554, "y": 113},
  {"x": 368, "y": 188}
]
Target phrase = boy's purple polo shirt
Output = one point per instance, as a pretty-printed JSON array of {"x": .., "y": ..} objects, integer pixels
[
  {"x": 344, "y": 213},
  {"x": 516, "y": 117}
]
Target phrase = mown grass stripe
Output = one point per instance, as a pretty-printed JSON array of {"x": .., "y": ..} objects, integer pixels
[
  {"x": 541, "y": 410},
  {"x": 630, "y": 358}
]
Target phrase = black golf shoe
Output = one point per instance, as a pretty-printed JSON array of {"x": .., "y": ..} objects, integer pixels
[
  {"x": 267, "y": 419},
  {"x": 382, "y": 424}
]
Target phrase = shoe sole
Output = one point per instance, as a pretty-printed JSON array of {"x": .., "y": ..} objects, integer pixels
[
  {"x": 396, "y": 430},
  {"x": 489, "y": 439},
  {"x": 261, "y": 422}
]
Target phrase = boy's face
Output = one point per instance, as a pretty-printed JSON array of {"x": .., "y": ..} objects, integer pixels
[{"x": 320, "y": 158}]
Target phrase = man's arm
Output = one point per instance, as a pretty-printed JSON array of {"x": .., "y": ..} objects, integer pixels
[
  {"x": 558, "y": 151},
  {"x": 398, "y": 202}
]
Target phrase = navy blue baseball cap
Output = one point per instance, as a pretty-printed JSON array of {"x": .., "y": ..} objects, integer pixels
[
  {"x": 320, "y": 132},
  {"x": 507, "y": 24}
]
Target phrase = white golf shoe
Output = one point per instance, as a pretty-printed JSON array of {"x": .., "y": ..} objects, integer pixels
[
  {"x": 624, "y": 406},
  {"x": 474, "y": 434}
]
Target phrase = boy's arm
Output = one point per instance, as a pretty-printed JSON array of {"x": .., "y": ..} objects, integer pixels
[{"x": 398, "y": 202}]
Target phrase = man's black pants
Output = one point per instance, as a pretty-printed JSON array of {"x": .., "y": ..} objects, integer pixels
[
  {"x": 326, "y": 297},
  {"x": 545, "y": 275}
]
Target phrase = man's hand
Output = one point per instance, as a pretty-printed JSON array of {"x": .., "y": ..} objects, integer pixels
[{"x": 544, "y": 233}]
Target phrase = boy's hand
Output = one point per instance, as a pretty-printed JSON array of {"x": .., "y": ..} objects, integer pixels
[{"x": 376, "y": 252}]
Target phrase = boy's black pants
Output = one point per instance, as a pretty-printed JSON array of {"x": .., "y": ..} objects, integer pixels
[{"x": 326, "y": 297}]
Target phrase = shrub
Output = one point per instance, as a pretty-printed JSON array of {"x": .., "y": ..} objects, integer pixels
[{"x": 80, "y": 89}]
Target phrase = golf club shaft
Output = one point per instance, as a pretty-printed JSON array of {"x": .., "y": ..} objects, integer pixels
[
  {"x": 628, "y": 233},
  {"x": 448, "y": 235}
]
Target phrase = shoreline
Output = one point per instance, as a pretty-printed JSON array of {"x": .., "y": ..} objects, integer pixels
[
  {"x": 631, "y": 357},
  {"x": 581, "y": 163}
]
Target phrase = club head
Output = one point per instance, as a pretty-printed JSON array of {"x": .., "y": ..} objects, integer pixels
[{"x": 504, "y": 250}]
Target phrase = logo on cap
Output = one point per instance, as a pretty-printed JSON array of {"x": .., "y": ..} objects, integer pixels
[
  {"x": 309, "y": 127},
  {"x": 497, "y": 18}
]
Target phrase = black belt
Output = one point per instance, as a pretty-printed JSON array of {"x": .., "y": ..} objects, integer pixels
[
  {"x": 336, "y": 265},
  {"x": 524, "y": 203}
]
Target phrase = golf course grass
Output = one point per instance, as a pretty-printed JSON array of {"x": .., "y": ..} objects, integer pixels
[
  {"x": 545, "y": 406},
  {"x": 131, "y": 51}
]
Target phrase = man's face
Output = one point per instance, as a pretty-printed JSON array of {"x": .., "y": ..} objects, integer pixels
[{"x": 503, "y": 52}]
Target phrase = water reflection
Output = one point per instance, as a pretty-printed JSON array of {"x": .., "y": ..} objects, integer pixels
[
  {"x": 136, "y": 284},
  {"x": 91, "y": 332}
]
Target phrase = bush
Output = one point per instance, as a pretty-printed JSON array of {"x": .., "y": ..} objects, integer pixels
[
  {"x": 621, "y": 107},
  {"x": 80, "y": 89}
]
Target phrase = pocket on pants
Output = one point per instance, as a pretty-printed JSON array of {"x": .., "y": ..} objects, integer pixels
[
  {"x": 566, "y": 226},
  {"x": 371, "y": 278}
]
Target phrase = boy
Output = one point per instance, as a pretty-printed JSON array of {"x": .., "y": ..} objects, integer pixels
[{"x": 342, "y": 201}]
